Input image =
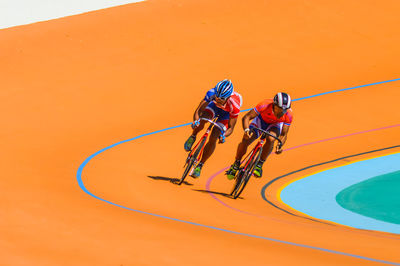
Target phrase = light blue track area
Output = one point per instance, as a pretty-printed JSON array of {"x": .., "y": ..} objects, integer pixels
[{"x": 315, "y": 195}]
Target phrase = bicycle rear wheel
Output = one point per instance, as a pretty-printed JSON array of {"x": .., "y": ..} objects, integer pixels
[
  {"x": 238, "y": 182},
  {"x": 191, "y": 161},
  {"x": 246, "y": 174}
]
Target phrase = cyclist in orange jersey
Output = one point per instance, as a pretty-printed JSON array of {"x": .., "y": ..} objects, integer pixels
[{"x": 274, "y": 116}]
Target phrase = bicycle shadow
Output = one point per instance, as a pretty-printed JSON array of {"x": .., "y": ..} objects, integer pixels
[
  {"x": 213, "y": 192},
  {"x": 169, "y": 179}
]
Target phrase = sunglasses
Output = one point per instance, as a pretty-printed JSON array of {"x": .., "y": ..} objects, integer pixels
[{"x": 221, "y": 99}]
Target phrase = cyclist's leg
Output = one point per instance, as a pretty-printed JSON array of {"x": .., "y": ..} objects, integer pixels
[
  {"x": 275, "y": 130},
  {"x": 207, "y": 113},
  {"x": 222, "y": 121},
  {"x": 211, "y": 144},
  {"x": 223, "y": 118},
  {"x": 241, "y": 151},
  {"x": 207, "y": 152},
  {"x": 244, "y": 144}
]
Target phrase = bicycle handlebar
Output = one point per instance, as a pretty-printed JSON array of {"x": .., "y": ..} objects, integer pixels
[
  {"x": 269, "y": 134},
  {"x": 212, "y": 122}
]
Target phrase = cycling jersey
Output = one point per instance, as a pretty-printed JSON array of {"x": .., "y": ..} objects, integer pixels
[
  {"x": 265, "y": 112},
  {"x": 232, "y": 105}
]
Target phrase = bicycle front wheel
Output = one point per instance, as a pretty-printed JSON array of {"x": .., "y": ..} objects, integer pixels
[
  {"x": 238, "y": 183},
  {"x": 247, "y": 173},
  {"x": 191, "y": 161}
]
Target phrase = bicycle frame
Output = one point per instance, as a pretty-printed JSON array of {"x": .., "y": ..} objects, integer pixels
[
  {"x": 260, "y": 143},
  {"x": 197, "y": 152},
  {"x": 246, "y": 171},
  {"x": 213, "y": 123}
]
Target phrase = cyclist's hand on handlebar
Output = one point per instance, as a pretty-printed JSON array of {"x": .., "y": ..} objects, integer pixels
[
  {"x": 247, "y": 133},
  {"x": 278, "y": 149},
  {"x": 221, "y": 138},
  {"x": 196, "y": 123}
]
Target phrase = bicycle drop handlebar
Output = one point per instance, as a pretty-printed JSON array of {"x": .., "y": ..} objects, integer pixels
[
  {"x": 269, "y": 134},
  {"x": 214, "y": 123}
]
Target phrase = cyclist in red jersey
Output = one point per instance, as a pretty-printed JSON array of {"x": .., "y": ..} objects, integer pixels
[{"x": 274, "y": 116}]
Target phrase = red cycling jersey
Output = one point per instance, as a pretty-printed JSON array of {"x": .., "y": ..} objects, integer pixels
[
  {"x": 232, "y": 106},
  {"x": 264, "y": 109}
]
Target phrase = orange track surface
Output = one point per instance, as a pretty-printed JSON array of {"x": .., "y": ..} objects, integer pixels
[{"x": 73, "y": 86}]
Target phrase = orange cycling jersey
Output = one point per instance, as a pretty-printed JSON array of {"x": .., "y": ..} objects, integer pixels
[{"x": 264, "y": 110}]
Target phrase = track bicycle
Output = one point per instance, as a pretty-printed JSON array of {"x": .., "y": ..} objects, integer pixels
[
  {"x": 248, "y": 164},
  {"x": 196, "y": 152}
]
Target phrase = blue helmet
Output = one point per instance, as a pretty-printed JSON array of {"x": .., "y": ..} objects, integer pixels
[{"x": 224, "y": 89}]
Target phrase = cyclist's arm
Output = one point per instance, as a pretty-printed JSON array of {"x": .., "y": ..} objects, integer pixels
[
  {"x": 250, "y": 115},
  {"x": 231, "y": 126},
  {"x": 202, "y": 105},
  {"x": 283, "y": 136}
]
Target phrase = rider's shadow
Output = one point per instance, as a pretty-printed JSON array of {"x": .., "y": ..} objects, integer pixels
[
  {"x": 170, "y": 179},
  {"x": 213, "y": 192}
]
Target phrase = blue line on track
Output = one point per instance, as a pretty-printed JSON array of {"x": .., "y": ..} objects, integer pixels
[
  {"x": 82, "y": 186},
  {"x": 347, "y": 89},
  {"x": 352, "y": 88}
]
